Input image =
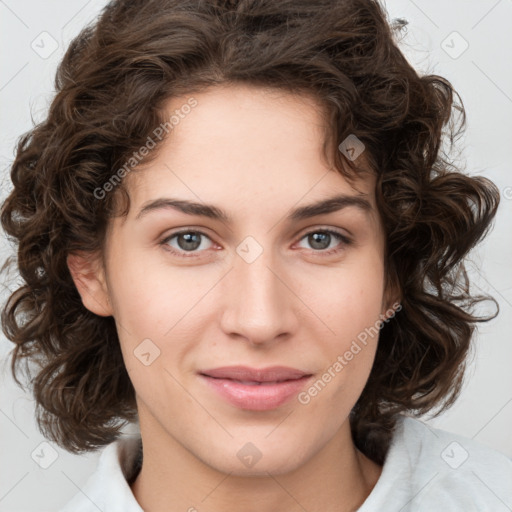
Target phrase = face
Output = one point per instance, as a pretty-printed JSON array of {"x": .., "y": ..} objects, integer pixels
[{"x": 266, "y": 286}]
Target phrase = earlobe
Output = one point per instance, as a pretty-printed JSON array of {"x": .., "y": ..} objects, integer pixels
[{"x": 87, "y": 272}]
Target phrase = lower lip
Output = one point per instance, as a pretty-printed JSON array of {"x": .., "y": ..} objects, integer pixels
[{"x": 258, "y": 397}]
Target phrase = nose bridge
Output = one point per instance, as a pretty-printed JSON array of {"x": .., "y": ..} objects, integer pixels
[{"x": 259, "y": 304}]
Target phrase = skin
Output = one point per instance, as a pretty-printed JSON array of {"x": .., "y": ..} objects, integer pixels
[{"x": 256, "y": 154}]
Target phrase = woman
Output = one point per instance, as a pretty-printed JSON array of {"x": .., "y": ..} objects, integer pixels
[{"x": 237, "y": 229}]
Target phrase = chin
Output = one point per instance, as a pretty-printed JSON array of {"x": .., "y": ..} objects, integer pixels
[{"x": 250, "y": 461}]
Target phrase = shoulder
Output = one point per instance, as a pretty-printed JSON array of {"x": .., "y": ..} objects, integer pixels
[
  {"x": 107, "y": 489},
  {"x": 428, "y": 468}
]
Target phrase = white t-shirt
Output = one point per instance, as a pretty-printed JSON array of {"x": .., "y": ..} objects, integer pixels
[{"x": 426, "y": 469}]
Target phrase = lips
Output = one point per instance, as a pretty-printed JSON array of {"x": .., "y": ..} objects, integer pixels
[
  {"x": 255, "y": 389},
  {"x": 247, "y": 375}
]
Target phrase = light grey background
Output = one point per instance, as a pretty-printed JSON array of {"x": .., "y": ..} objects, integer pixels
[{"x": 481, "y": 74}]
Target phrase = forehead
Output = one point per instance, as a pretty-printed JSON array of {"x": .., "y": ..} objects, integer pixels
[{"x": 243, "y": 145}]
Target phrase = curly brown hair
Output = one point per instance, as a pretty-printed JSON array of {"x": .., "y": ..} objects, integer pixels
[{"x": 111, "y": 86}]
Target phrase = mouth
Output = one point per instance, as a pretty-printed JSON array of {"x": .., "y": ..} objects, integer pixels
[{"x": 256, "y": 389}]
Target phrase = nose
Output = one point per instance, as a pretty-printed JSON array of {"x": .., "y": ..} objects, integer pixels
[{"x": 259, "y": 304}]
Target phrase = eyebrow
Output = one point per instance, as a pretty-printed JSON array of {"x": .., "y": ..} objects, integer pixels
[{"x": 322, "y": 207}]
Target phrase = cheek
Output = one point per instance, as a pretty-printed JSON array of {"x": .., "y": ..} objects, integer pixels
[
  {"x": 351, "y": 306},
  {"x": 349, "y": 299},
  {"x": 153, "y": 304},
  {"x": 148, "y": 298},
  {"x": 349, "y": 355}
]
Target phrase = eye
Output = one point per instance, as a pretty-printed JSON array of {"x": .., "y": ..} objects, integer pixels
[
  {"x": 320, "y": 240},
  {"x": 189, "y": 241}
]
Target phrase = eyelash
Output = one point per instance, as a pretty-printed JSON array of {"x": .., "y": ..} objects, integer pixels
[{"x": 191, "y": 254}]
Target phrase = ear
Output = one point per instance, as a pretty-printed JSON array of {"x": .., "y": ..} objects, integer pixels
[{"x": 88, "y": 274}]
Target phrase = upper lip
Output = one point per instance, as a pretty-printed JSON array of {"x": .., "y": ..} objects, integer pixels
[{"x": 245, "y": 373}]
